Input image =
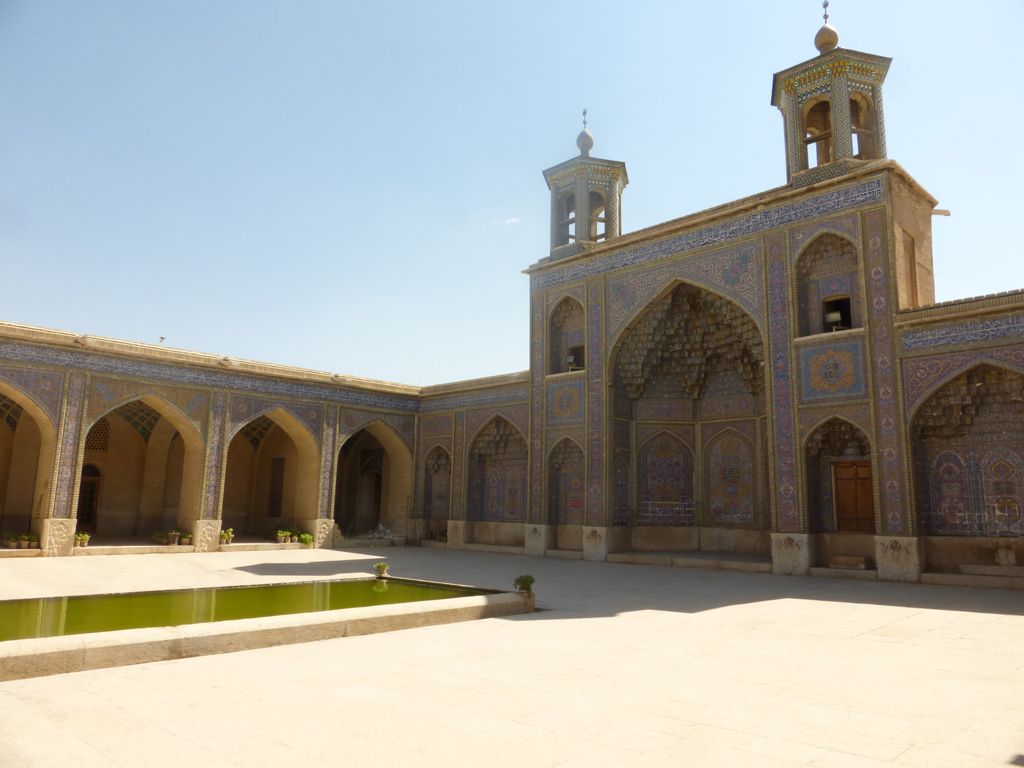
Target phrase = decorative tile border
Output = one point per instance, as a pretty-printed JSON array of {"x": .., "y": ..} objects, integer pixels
[
  {"x": 46, "y": 388},
  {"x": 216, "y": 457},
  {"x": 328, "y": 456},
  {"x": 965, "y": 333},
  {"x": 105, "y": 393},
  {"x": 200, "y": 377},
  {"x": 67, "y": 446},
  {"x": 475, "y": 399},
  {"x": 595, "y": 405},
  {"x": 742, "y": 226},
  {"x": 245, "y": 409}
]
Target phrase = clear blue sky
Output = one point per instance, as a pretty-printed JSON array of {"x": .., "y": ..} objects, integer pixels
[{"x": 356, "y": 188}]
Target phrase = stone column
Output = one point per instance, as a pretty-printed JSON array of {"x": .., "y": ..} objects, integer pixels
[
  {"x": 206, "y": 529},
  {"x": 842, "y": 130},
  {"x": 456, "y": 523}
]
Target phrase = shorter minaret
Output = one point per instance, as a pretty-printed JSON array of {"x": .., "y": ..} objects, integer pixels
[
  {"x": 832, "y": 109},
  {"x": 586, "y": 193}
]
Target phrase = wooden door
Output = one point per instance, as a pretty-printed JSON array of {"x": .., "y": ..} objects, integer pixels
[{"x": 855, "y": 508}]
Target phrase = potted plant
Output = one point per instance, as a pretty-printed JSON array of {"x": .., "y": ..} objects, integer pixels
[
  {"x": 282, "y": 536},
  {"x": 82, "y": 539},
  {"x": 186, "y": 539},
  {"x": 226, "y": 535},
  {"x": 172, "y": 537},
  {"x": 306, "y": 539},
  {"x": 11, "y": 540},
  {"x": 294, "y": 535},
  {"x": 381, "y": 568},
  {"x": 524, "y": 583},
  {"x": 24, "y": 541}
]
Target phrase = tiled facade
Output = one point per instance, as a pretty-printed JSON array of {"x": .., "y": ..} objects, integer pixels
[{"x": 757, "y": 378}]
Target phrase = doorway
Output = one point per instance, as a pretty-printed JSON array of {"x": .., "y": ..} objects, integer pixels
[
  {"x": 88, "y": 498},
  {"x": 855, "y": 509}
]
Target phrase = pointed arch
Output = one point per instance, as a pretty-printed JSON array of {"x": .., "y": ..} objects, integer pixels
[
  {"x": 373, "y": 481},
  {"x": 966, "y": 439},
  {"x": 566, "y": 476},
  {"x": 497, "y": 473},
  {"x": 828, "y": 284},
  {"x": 567, "y": 336},
  {"x": 665, "y": 465},
  {"x": 838, "y": 478},
  {"x": 272, "y": 476},
  {"x": 27, "y": 456},
  {"x": 730, "y": 481},
  {"x": 437, "y": 491}
]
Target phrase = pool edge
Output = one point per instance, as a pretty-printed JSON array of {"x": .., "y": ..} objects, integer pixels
[{"x": 41, "y": 657}]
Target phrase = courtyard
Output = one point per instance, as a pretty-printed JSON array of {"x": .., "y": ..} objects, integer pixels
[{"x": 623, "y": 665}]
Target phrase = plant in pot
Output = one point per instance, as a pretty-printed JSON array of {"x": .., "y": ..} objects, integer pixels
[
  {"x": 524, "y": 583},
  {"x": 24, "y": 541},
  {"x": 82, "y": 539},
  {"x": 226, "y": 535},
  {"x": 282, "y": 536},
  {"x": 381, "y": 568},
  {"x": 11, "y": 540},
  {"x": 294, "y": 535},
  {"x": 186, "y": 539},
  {"x": 306, "y": 539},
  {"x": 172, "y": 537}
]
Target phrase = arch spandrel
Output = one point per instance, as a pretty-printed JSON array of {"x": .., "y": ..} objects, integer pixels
[
  {"x": 922, "y": 378},
  {"x": 307, "y": 417},
  {"x": 44, "y": 389},
  {"x": 106, "y": 395},
  {"x": 733, "y": 273}
]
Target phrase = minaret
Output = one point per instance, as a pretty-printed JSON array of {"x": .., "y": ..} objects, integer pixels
[
  {"x": 586, "y": 193},
  {"x": 832, "y": 109}
]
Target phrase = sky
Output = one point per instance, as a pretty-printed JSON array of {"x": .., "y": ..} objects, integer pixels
[{"x": 356, "y": 187}]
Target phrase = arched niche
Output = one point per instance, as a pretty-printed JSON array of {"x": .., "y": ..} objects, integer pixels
[
  {"x": 730, "y": 481},
  {"x": 968, "y": 459},
  {"x": 566, "y": 475},
  {"x": 130, "y": 445},
  {"x": 497, "y": 484},
  {"x": 28, "y": 442},
  {"x": 828, "y": 286},
  {"x": 374, "y": 482},
  {"x": 272, "y": 477},
  {"x": 839, "y": 484},
  {"x": 567, "y": 328},
  {"x": 437, "y": 492}
]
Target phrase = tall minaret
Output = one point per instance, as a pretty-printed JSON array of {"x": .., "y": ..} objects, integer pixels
[
  {"x": 586, "y": 193},
  {"x": 831, "y": 109}
]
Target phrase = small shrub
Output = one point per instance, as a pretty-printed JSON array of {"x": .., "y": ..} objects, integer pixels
[{"x": 524, "y": 583}]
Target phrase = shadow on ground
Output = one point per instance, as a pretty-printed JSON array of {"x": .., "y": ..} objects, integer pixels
[{"x": 579, "y": 589}]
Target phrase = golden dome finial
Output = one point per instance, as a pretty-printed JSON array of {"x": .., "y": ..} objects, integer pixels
[{"x": 827, "y": 38}]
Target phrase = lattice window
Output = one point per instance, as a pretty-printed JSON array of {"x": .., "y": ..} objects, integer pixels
[
  {"x": 256, "y": 430},
  {"x": 98, "y": 438},
  {"x": 10, "y": 412},
  {"x": 139, "y": 417}
]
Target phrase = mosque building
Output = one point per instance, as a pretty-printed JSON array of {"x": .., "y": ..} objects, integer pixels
[{"x": 769, "y": 382}]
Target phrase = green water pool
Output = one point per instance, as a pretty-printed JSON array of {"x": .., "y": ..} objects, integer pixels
[{"x": 52, "y": 616}]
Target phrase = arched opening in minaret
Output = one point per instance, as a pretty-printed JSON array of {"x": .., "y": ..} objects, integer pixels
[
  {"x": 566, "y": 222},
  {"x": 862, "y": 125},
  {"x": 688, "y": 458},
  {"x": 817, "y": 131},
  {"x": 598, "y": 217},
  {"x": 567, "y": 337}
]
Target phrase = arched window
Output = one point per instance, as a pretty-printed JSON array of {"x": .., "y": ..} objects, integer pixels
[
  {"x": 828, "y": 286},
  {"x": 817, "y": 130},
  {"x": 598, "y": 217},
  {"x": 566, "y": 337},
  {"x": 566, "y": 221},
  {"x": 862, "y": 124}
]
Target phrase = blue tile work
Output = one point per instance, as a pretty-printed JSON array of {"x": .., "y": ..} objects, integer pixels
[
  {"x": 67, "y": 446},
  {"x": 831, "y": 370},
  {"x": 965, "y": 333},
  {"x": 595, "y": 406},
  {"x": 245, "y": 409},
  {"x": 565, "y": 402},
  {"x": 44, "y": 387},
  {"x": 743, "y": 226},
  {"x": 922, "y": 375},
  {"x": 181, "y": 374},
  {"x": 467, "y": 399},
  {"x": 215, "y": 457},
  {"x": 327, "y": 457}
]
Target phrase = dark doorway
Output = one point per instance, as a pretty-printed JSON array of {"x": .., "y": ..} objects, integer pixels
[{"x": 88, "y": 498}]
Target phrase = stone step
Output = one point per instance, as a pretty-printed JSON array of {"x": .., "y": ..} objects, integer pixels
[
  {"x": 970, "y": 580},
  {"x": 993, "y": 570},
  {"x": 845, "y": 573},
  {"x": 499, "y": 548},
  {"x": 565, "y": 554},
  {"x": 712, "y": 561},
  {"x": 258, "y": 546},
  {"x": 134, "y": 549},
  {"x": 21, "y": 552}
]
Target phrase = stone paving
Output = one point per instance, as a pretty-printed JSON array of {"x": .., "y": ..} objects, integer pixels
[{"x": 625, "y": 666}]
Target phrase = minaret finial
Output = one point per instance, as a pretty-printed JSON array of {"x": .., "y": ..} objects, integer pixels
[
  {"x": 827, "y": 38},
  {"x": 585, "y": 141},
  {"x": 825, "y": 6}
]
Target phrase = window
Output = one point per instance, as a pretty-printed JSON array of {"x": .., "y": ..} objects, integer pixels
[{"x": 836, "y": 315}]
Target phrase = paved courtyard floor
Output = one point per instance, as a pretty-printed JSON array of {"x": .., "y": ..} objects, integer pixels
[{"x": 624, "y": 666}]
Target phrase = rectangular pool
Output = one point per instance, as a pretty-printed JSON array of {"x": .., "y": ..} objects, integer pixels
[{"x": 55, "y": 616}]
